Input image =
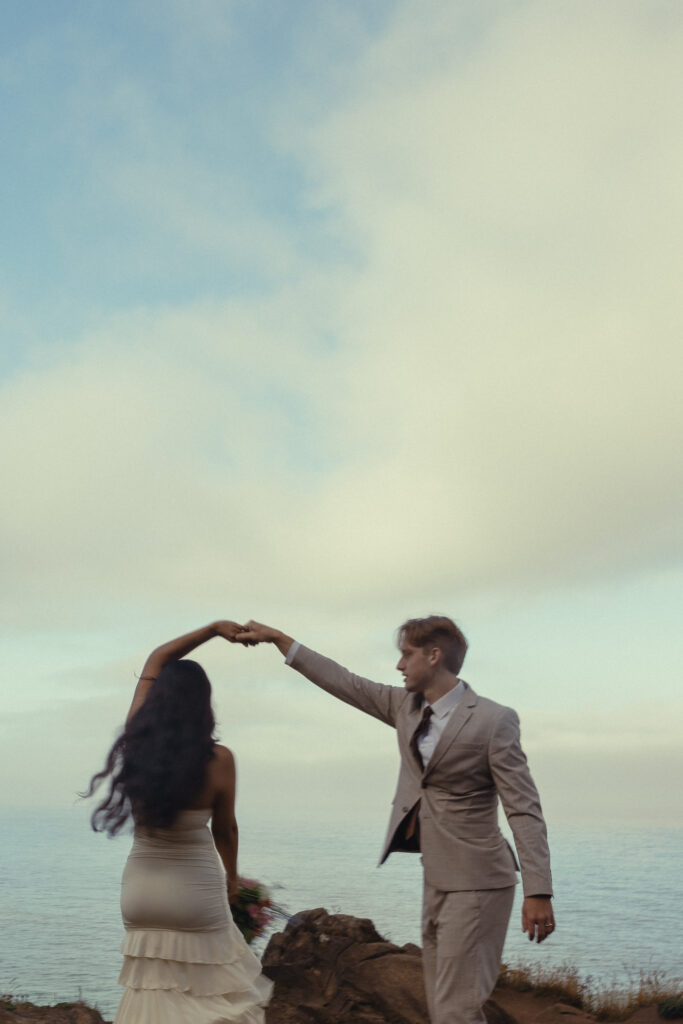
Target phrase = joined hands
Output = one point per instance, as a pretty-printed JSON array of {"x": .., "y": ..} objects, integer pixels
[
  {"x": 231, "y": 631},
  {"x": 250, "y": 634},
  {"x": 257, "y": 633},
  {"x": 236, "y": 633},
  {"x": 253, "y": 633}
]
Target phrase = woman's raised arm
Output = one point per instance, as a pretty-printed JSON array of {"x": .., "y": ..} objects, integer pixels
[{"x": 175, "y": 649}]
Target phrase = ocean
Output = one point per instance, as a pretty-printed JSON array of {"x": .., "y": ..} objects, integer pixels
[{"x": 619, "y": 898}]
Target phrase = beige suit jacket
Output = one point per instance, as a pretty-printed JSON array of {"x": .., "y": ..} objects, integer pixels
[{"x": 477, "y": 760}]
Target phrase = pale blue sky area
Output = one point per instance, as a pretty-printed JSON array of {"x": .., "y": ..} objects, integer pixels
[
  {"x": 97, "y": 96},
  {"x": 331, "y": 314}
]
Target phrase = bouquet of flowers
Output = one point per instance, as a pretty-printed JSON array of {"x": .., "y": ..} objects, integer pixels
[{"x": 254, "y": 909}]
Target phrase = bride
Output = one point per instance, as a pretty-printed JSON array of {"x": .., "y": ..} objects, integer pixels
[{"x": 185, "y": 961}]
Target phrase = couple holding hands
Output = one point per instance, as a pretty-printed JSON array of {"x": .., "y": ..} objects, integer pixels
[{"x": 185, "y": 962}]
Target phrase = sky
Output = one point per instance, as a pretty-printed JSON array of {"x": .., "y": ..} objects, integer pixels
[{"x": 329, "y": 315}]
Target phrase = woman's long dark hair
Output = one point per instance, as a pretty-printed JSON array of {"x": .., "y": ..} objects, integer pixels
[{"x": 158, "y": 764}]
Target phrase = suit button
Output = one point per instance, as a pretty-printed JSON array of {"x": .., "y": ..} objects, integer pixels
[
  {"x": 405, "y": 809},
  {"x": 423, "y": 784}
]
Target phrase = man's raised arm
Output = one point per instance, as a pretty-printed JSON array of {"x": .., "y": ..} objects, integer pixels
[{"x": 374, "y": 699}]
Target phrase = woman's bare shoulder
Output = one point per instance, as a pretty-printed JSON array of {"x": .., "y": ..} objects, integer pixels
[
  {"x": 223, "y": 762},
  {"x": 222, "y": 777},
  {"x": 223, "y": 754}
]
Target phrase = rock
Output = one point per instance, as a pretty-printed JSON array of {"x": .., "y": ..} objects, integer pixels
[
  {"x": 336, "y": 969},
  {"x": 62, "y": 1013},
  {"x": 563, "y": 1013}
]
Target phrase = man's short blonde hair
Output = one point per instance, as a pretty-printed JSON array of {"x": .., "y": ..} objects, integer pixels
[{"x": 436, "y": 631}]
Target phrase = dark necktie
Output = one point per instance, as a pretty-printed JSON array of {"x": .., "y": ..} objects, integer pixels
[
  {"x": 412, "y": 822},
  {"x": 422, "y": 728}
]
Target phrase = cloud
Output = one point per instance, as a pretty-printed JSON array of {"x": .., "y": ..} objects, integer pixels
[
  {"x": 512, "y": 333},
  {"x": 483, "y": 397}
]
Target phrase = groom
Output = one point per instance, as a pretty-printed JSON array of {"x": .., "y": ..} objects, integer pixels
[{"x": 459, "y": 754}]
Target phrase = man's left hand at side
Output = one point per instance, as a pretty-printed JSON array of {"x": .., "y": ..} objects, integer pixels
[{"x": 538, "y": 920}]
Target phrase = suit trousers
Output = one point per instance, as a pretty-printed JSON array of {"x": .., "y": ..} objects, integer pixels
[{"x": 462, "y": 943}]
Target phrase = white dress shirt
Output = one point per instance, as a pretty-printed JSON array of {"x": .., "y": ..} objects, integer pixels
[
  {"x": 441, "y": 712},
  {"x": 293, "y": 648}
]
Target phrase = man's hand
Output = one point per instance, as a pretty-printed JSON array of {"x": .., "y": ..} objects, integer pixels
[
  {"x": 538, "y": 919},
  {"x": 257, "y": 633}
]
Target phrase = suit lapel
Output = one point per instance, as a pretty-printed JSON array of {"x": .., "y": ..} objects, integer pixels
[
  {"x": 455, "y": 723},
  {"x": 410, "y": 724}
]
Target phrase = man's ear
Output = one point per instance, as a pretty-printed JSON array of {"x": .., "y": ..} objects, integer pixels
[{"x": 435, "y": 656}]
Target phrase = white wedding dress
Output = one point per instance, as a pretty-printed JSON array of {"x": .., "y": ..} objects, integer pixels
[{"x": 185, "y": 961}]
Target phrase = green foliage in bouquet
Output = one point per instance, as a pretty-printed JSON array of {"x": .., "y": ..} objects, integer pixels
[{"x": 254, "y": 910}]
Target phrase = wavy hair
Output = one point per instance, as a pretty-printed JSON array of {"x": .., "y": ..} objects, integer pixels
[{"x": 158, "y": 764}]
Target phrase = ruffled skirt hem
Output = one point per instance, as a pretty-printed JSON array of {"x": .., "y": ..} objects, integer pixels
[
  {"x": 174, "y": 977},
  {"x": 164, "y": 1006}
]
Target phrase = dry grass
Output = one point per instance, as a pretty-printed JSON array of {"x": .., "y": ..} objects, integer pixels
[{"x": 606, "y": 1004}]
